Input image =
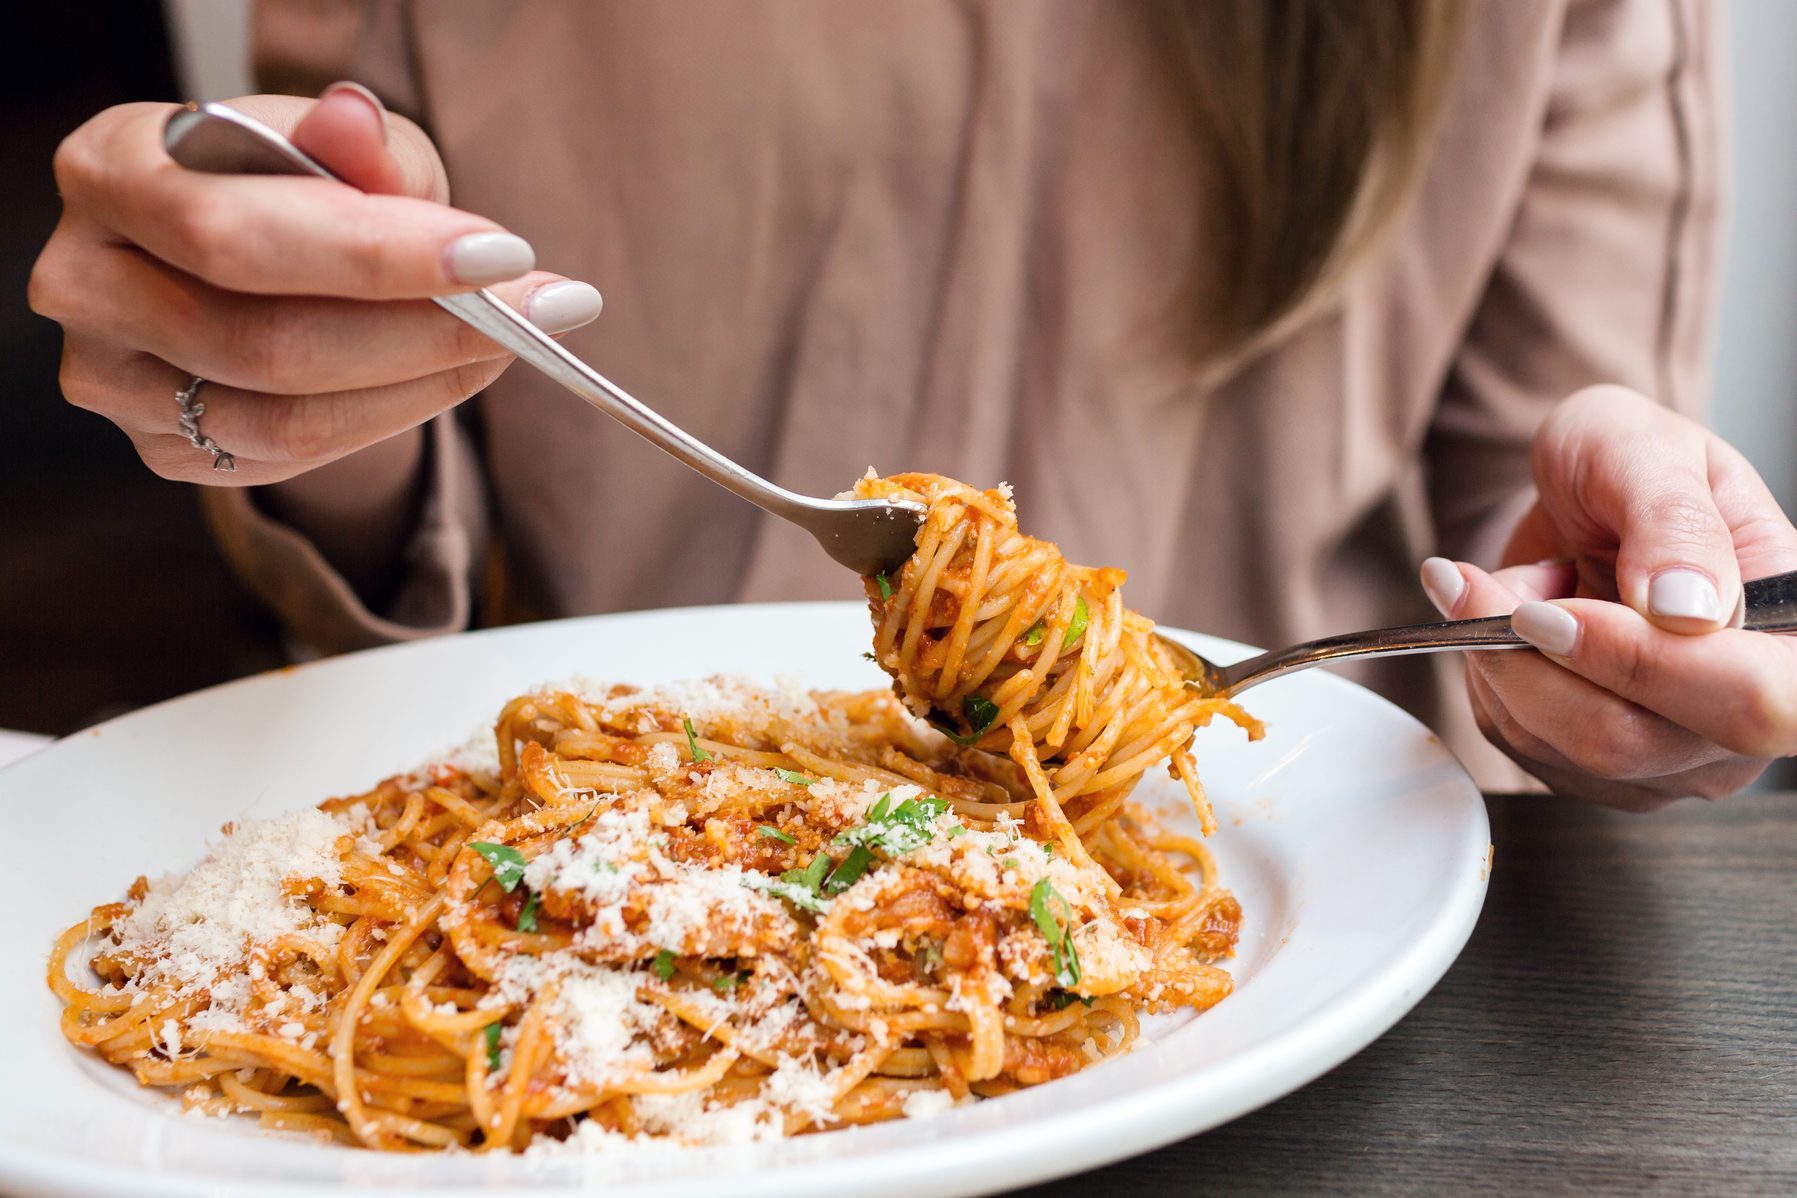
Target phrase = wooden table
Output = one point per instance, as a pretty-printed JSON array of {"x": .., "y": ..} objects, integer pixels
[{"x": 1624, "y": 1019}]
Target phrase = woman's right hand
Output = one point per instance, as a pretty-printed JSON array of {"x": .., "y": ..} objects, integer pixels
[{"x": 303, "y": 303}]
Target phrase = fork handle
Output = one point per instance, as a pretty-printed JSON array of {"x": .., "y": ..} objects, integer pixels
[
  {"x": 1768, "y": 605},
  {"x": 220, "y": 140}
]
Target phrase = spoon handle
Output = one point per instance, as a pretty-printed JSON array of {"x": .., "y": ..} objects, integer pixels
[{"x": 1769, "y": 605}]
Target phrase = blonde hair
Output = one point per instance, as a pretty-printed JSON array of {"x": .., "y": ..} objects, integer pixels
[{"x": 1316, "y": 118}]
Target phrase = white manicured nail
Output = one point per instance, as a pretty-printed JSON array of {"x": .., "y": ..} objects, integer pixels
[
  {"x": 1444, "y": 584},
  {"x": 488, "y": 258},
  {"x": 563, "y": 306},
  {"x": 1684, "y": 594},
  {"x": 1550, "y": 629}
]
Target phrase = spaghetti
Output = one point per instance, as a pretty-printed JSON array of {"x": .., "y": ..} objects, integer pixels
[
  {"x": 708, "y": 913},
  {"x": 1005, "y": 645}
]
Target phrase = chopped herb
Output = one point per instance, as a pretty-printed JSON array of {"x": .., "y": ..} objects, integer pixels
[
  {"x": 692, "y": 741},
  {"x": 849, "y": 872},
  {"x": 773, "y": 833},
  {"x": 1056, "y": 927},
  {"x": 872, "y": 658},
  {"x": 527, "y": 918},
  {"x": 1048, "y": 849},
  {"x": 664, "y": 965},
  {"x": 1033, "y": 637},
  {"x": 507, "y": 862},
  {"x": 1080, "y": 616},
  {"x": 957, "y": 830},
  {"x": 1060, "y": 1000},
  {"x": 591, "y": 811},
  {"x": 813, "y": 877},
  {"x": 794, "y": 777},
  {"x": 885, "y": 587},
  {"x": 794, "y": 892},
  {"x": 492, "y": 1034},
  {"x": 725, "y": 982},
  {"x": 981, "y": 713},
  {"x": 929, "y": 956},
  {"x": 1011, "y": 863},
  {"x": 900, "y": 829}
]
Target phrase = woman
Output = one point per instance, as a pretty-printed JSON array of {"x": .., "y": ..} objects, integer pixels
[{"x": 1265, "y": 300}]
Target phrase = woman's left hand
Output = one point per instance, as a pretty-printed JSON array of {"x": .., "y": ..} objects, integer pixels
[{"x": 1626, "y": 575}]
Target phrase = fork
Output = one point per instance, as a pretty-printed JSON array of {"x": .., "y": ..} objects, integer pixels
[
  {"x": 869, "y": 536},
  {"x": 1767, "y": 605}
]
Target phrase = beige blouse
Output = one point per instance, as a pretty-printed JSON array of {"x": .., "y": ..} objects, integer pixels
[{"x": 929, "y": 236}]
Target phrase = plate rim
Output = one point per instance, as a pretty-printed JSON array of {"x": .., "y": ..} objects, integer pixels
[{"x": 1135, "y": 1122}]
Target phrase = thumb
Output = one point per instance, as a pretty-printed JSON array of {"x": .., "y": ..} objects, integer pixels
[
  {"x": 347, "y": 131},
  {"x": 1613, "y": 466}
]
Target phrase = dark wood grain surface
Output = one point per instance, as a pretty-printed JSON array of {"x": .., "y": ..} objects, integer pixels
[{"x": 1624, "y": 1020}]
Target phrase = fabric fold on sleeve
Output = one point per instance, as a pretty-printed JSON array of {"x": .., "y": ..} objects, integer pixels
[{"x": 318, "y": 607}]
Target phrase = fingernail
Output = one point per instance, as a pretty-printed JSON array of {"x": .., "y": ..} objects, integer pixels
[
  {"x": 350, "y": 87},
  {"x": 1444, "y": 584},
  {"x": 1684, "y": 594},
  {"x": 488, "y": 258},
  {"x": 1550, "y": 629},
  {"x": 563, "y": 306}
]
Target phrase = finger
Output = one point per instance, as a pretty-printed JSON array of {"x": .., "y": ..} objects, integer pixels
[
  {"x": 1545, "y": 763},
  {"x": 1446, "y": 586},
  {"x": 347, "y": 131},
  {"x": 1632, "y": 471},
  {"x": 295, "y": 345},
  {"x": 1765, "y": 541},
  {"x": 1733, "y": 687},
  {"x": 1588, "y": 728},
  {"x": 272, "y": 437},
  {"x": 278, "y": 235}
]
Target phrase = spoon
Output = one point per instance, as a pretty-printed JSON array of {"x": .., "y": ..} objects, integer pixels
[
  {"x": 869, "y": 536},
  {"x": 1768, "y": 605}
]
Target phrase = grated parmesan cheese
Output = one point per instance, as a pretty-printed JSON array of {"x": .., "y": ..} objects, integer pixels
[{"x": 192, "y": 927}]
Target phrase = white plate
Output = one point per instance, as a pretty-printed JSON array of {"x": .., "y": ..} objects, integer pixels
[{"x": 1357, "y": 845}]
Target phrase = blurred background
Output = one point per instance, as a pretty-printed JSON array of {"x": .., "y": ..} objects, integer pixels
[{"x": 110, "y": 593}]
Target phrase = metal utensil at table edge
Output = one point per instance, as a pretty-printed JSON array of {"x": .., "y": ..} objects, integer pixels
[
  {"x": 1768, "y": 605},
  {"x": 866, "y": 535}
]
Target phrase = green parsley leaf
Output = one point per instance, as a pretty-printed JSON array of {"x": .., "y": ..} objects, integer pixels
[
  {"x": 1048, "y": 849},
  {"x": 885, "y": 587},
  {"x": 1033, "y": 636},
  {"x": 725, "y": 982},
  {"x": 900, "y": 829},
  {"x": 957, "y": 830},
  {"x": 692, "y": 741},
  {"x": 1060, "y": 1000},
  {"x": 1080, "y": 617},
  {"x": 981, "y": 713},
  {"x": 527, "y": 917},
  {"x": 794, "y": 777},
  {"x": 849, "y": 872},
  {"x": 507, "y": 862},
  {"x": 813, "y": 877},
  {"x": 663, "y": 965},
  {"x": 796, "y": 892},
  {"x": 492, "y": 1033},
  {"x": 1010, "y": 863},
  {"x": 773, "y": 833},
  {"x": 1056, "y": 927}
]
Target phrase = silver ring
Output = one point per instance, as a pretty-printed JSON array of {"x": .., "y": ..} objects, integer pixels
[{"x": 191, "y": 411}]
